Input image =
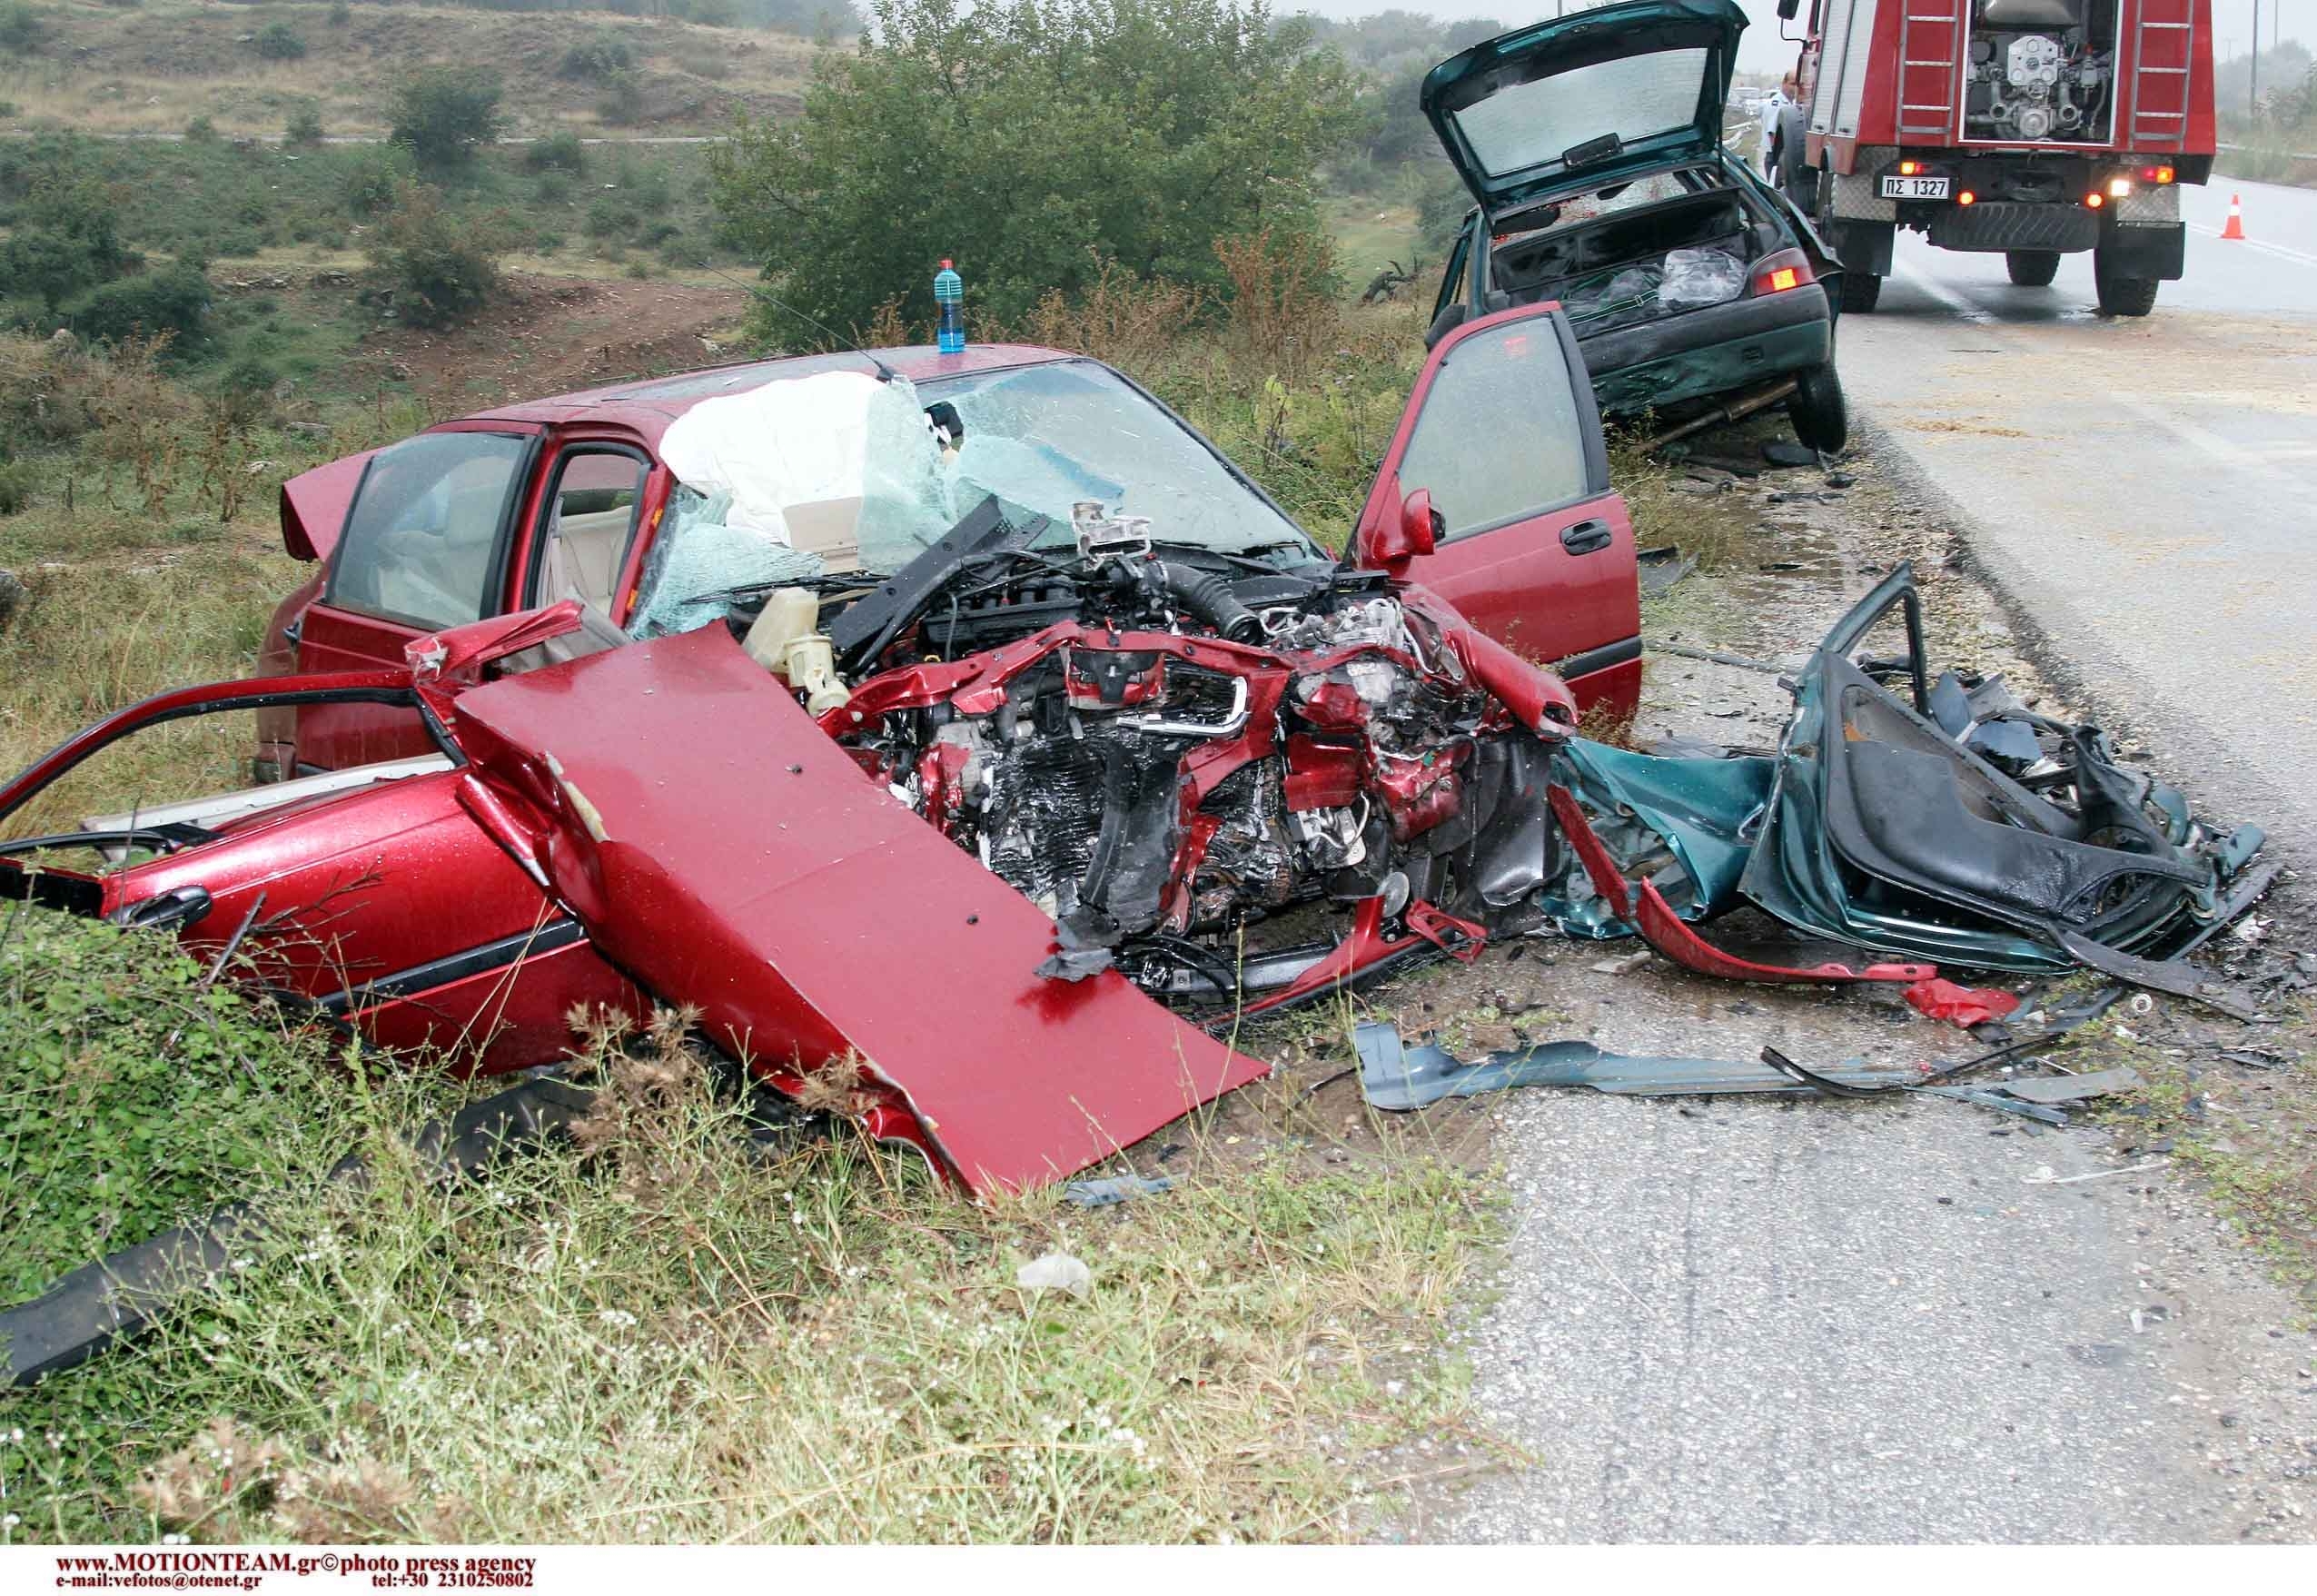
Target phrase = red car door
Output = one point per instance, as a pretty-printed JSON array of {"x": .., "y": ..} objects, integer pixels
[
  {"x": 427, "y": 544},
  {"x": 1534, "y": 547}
]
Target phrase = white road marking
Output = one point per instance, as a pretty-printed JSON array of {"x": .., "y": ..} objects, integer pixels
[
  {"x": 2283, "y": 251},
  {"x": 2212, "y": 446}
]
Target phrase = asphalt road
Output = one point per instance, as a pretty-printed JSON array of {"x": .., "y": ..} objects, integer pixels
[{"x": 2146, "y": 490}]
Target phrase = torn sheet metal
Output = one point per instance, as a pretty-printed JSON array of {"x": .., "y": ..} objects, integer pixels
[
  {"x": 2073, "y": 1088},
  {"x": 1964, "y": 1006},
  {"x": 739, "y": 859},
  {"x": 1397, "y": 1079}
]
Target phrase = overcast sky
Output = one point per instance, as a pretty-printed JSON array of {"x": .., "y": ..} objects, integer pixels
[{"x": 1762, "y": 51}]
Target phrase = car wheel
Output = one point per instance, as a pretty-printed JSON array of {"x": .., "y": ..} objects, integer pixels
[
  {"x": 1820, "y": 417},
  {"x": 1860, "y": 289},
  {"x": 2032, "y": 268},
  {"x": 2120, "y": 295},
  {"x": 1795, "y": 176}
]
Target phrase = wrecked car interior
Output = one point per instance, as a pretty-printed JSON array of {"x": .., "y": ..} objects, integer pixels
[{"x": 1115, "y": 762}]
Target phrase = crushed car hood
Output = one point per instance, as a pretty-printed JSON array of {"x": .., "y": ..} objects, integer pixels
[
  {"x": 718, "y": 846},
  {"x": 1578, "y": 101}
]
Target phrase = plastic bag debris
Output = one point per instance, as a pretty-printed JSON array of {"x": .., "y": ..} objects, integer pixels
[
  {"x": 1055, "y": 1272},
  {"x": 1966, "y": 1005},
  {"x": 1108, "y": 1191},
  {"x": 1699, "y": 277}
]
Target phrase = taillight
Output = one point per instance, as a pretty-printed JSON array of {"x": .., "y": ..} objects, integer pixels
[
  {"x": 2158, "y": 174},
  {"x": 1774, "y": 273},
  {"x": 2094, "y": 200},
  {"x": 2119, "y": 187},
  {"x": 1966, "y": 198}
]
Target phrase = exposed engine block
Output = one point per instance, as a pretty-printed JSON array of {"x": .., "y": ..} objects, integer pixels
[{"x": 2036, "y": 72}]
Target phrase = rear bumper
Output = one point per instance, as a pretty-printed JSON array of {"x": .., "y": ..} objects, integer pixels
[
  {"x": 1709, "y": 350},
  {"x": 2006, "y": 224}
]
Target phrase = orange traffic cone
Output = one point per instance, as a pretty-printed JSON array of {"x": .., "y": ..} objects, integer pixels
[{"x": 2235, "y": 228}]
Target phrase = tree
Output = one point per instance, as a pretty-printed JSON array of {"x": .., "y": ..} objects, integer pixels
[
  {"x": 445, "y": 112},
  {"x": 1032, "y": 140},
  {"x": 66, "y": 236},
  {"x": 279, "y": 41}
]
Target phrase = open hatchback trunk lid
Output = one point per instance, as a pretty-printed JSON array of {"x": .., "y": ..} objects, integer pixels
[
  {"x": 727, "y": 854},
  {"x": 1580, "y": 101}
]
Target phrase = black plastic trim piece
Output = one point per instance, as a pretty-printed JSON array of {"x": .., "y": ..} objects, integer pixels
[
  {"x": 457, "y": 967},
  {"x": 1601, "y": 658}
]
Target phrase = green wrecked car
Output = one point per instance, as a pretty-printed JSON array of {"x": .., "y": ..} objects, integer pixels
[{"x": 1593, "y": 145}]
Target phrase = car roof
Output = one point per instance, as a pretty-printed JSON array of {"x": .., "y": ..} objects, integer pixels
[{"x": 649, "y": 405}]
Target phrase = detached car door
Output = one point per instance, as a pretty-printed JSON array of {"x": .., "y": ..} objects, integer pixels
[{"x": 1533, "y": 546}]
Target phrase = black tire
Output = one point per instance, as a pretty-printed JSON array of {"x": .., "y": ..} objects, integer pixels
[
  {"x": 2120, "y": 295},
  {"x": 1820, "y": 416},
  {"x": 2032, "y": 268},
  {"x": 1860, "y": 289}
]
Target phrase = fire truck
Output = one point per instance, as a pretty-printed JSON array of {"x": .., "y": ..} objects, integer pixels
[{"x": 2035, "y": 128}]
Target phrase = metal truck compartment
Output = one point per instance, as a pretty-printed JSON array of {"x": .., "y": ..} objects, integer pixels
[{"x": 2082, "y": 75}]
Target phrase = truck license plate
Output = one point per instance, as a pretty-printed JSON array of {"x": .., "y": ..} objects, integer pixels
[{"x": 1914, "y": 188}]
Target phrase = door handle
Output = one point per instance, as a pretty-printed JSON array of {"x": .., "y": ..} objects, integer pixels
[{"x": 1586, "y": 537}]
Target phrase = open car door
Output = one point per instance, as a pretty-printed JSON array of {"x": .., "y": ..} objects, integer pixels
[{"x": 1532, "y": 545}]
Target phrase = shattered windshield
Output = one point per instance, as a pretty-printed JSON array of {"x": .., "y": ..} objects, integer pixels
[
  {"x": 841, "y": 472},
  {"x": 1636, "y": 97}
]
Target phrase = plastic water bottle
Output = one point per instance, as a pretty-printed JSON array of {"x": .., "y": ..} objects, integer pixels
[{"x": 949, "y": 293}]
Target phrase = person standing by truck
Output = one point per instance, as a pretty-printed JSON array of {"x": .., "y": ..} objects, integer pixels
[{"x": 1769, "y": 110}]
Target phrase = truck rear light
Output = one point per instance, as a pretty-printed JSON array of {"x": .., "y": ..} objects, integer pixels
[
  {"x": 2157, "y": 174},
  {"x": 1774, "y": 273},
  {"x": 1909, "y": 168},
  {"x": 2118, "y": 187},
  {"x": 1967, "y": 197},
  {"x": 2094, "y": 200}
]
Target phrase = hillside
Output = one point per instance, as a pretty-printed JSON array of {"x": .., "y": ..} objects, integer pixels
[{"x": 158, "y": 66}]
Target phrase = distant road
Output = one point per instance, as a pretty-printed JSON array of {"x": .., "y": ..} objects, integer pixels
[
  {"x": 342, "y": 138},
  {"x": 2146, "y": 490}
]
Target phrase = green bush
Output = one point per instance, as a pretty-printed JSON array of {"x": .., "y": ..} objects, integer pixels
[
  {"x": 372, "y": 175},
  {"x": 173, "y": 300},
  {"x": 23, "y": 29},
  {"x": 612, "y": 215},
  {"x": 305, "y": 126},
  {"x": 445, "y": 113},
  {"x": 560, "y": 152},
  {"x": 597, "y": 59},
  {"x": 340, "y": 14},
  {"x": 441, "y": 264},
  {"x": 279, "y": 41},
  {"x": 201, "y": 130},
  {"x": 16, "y": 491},
  {"x": 621, "y": 103}
]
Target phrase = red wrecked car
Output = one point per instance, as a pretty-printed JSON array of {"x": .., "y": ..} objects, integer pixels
[{"x": 970, "y": 717}]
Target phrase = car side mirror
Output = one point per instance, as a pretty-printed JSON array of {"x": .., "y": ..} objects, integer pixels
[
  {"x": 1787, "y": 9},
  {"x": 1388, "y": 545},
  {"x": 1420, "y": 524}
]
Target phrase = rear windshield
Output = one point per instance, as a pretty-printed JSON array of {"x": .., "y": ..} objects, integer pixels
[{"x": 1533, "y": 124}]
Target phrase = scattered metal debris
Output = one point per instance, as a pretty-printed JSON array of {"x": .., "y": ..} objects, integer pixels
[{"x": 1109, "y": 1191}]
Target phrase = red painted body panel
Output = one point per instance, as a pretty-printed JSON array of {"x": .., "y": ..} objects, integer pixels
[
  {"x": 1516, "y": 583},
  {"x": 716, "y": 844},
  {"x": 314, "y": 504}
]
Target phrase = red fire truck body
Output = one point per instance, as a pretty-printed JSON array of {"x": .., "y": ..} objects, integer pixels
[{"x": 2035, "y": 128}]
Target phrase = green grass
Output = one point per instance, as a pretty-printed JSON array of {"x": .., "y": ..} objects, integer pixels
[{"x": 661, "y": 1337}]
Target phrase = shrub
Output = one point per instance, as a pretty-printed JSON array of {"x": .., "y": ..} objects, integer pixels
[
  {"x": 621, "y": 103},
  {"x": 171, "y": 300},
  {"x": 23, "y": 29},
  {"x": 441, "y": 264},
  {"x": 51, "y": 263},
  {"x": 612, "y": 215},
  {"x": 560, "y": 152},
  {"x": 340, "y": 14},
  {"x": 201, "y": 130},
  {"x": 444, "y": 113},
  {"x": 372, "y": 176},
  {"x": 597, "y": 59},
  {"x": 305, "y": 126},
  {"x": 15, "y": 486},
  {"x": 278, "y": 41}
]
